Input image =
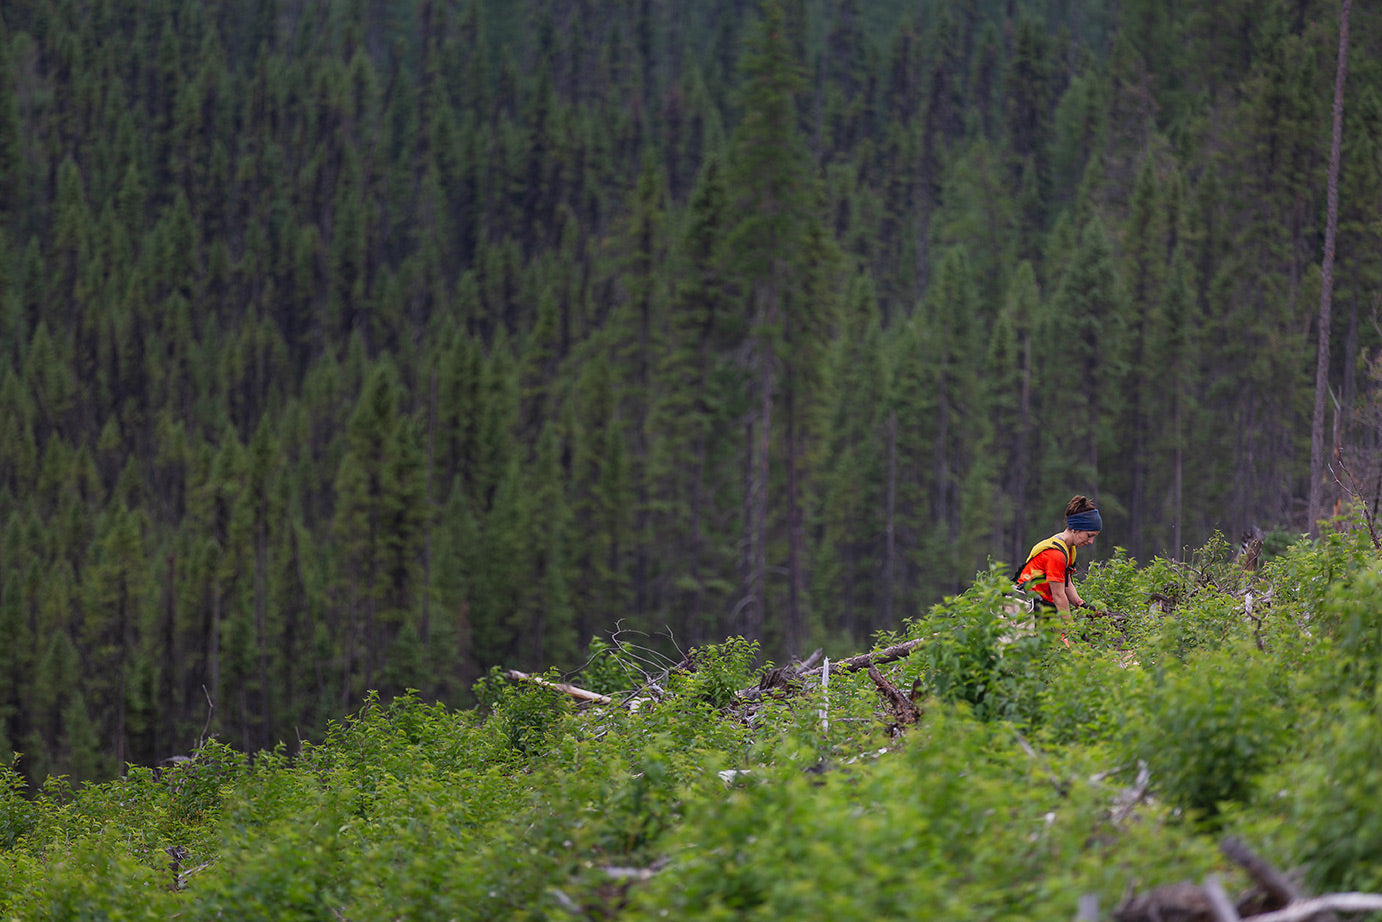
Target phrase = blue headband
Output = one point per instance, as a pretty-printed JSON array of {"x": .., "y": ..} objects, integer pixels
[{"x": 1085, "y": 521}]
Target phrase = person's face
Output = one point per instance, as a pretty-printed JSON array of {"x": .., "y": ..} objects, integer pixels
[{"x": 1083, "y": 538}]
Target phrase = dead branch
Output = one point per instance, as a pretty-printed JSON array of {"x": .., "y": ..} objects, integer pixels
[
  {"x": 580, "y": 694},
  {"x": 1182, "y": 902},
  {"x": 210, "y": 711},
  {"x": 1219, "y": 904},
  {"x": 1334, "y": 902},
  {"x": 1130, "y": 797},
  {"x": 1351, "y": 488},
  {"x": 865, "y": 660},
  {"x": 1274, "y": 898},
  {"x": 1277, "y": 886},
  {"x": 1224, "y": 911},
  {"x": 904, "y": 711}
]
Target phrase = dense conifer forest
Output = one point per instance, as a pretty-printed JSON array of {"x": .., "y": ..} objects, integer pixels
[{"x": 363, "y": 346}]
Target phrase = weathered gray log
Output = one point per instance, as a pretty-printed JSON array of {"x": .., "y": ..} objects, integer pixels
[
  {"x": 1334, "y": 902},
  {"x": 865, "y": 660},
  {"x": 578, "y": 693}
]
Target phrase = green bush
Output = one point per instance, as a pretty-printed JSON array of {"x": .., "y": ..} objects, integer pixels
[
  {"x": 1332, "y": 825},
  {"x": 976, "y": 654},
  {"x": 1087, "y": 698},
  {"x": 527, "y": 716},
  {"x": 1005, "y": 801},
  {"x": 1350, "y": 615},
  {"x": 1209, "y": 726},
  {"x": 16, "y": 813},
  {"x": 718, "y": 672},
  {"x": 608, "y": 669}
]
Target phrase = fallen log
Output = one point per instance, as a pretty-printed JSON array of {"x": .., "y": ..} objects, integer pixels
[
  {"x": 1334, "y": 902},
  {"x": 1274, "y": 899},
  {"x": 1278, "y": 890},
  {"x": 865, "y": 660},
  {"x": 904, "y": 711},
  {"x": 580, "y": 694}
]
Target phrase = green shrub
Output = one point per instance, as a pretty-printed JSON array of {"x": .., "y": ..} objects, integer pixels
[
  {"x": 1210, "y": 725},
  {"x": 1087, "y": 697},
  {"x": 719, "y": 672},
  {"x": 90, "y": 880},
  {"x": 526, "y": 715},
  {"x": 16, "y": 813},
  {"x": 1351, "y": 613},
  {"x": 1332, "y": 825},
  {"x": 975, "y": 654}
]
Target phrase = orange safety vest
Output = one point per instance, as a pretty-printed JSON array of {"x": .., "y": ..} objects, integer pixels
[{"x": 1032, "y": 575}]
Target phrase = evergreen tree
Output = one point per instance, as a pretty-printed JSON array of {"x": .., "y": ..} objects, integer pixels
[
  {"x": 695, "y": 423},
  {"x": 1145, "y": 251},
  {"x": 1078, "y": 356},
  {"x": 547, "y": 603},
  {"x": 116, "y": 590},
  {"x": 854, "y": 548},
  {"x": 771, "y": 192},
  {"x": 961, "y": 429},
  {"x": 1008, "y": 392},
  {"x": 912, "y": 412},
  {"x": 379, "y": 522}
]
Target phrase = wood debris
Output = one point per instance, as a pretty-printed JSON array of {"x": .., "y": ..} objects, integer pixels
[{"x": 1273, "y": 897}]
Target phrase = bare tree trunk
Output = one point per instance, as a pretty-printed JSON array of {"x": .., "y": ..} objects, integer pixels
[
  {"x": 214, "y": 642},
  {"x": 261, "y": 620},
  {"x": 890, "y": 524},
  {"x": 796, "y": 537},
  {"x": 1327, "y": 283},
  {"x": 1178, "y": 488},
  {"x": 1024, "y": 428},
  {"x": 426, "y": 627},
  {"x": 760, "y": 500},
  {"x": 746, "y": 605}
]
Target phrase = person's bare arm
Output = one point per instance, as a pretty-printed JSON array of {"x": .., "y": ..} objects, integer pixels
[
  {"x": 1072, "y": 597},
  {"x": 1060, "y": 594}
]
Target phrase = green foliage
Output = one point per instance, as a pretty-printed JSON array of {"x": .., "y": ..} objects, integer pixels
[
  {"x": 16, "y": 813},
  {"x": 1087, "y": 698},
  {"x": 1327, "y": 803},
  {"x": 351, "y": 348},
  {"x": 717, "y": 672},
  {"x": 527, "y": 715},
  {"x": 604, "y": 671},
  {"x": 982, "y": 656},
  {"x": 1350, "y": 614},
  {"x": 1005, "y": 800},
  {"x": 1211, "y": 725}
]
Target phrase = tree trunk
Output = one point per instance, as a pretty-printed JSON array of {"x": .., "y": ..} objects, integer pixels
[
  {"x": 760, "y": 480},
  {"x": 1327, "y": 284},
  {"x": 1024, "y": 428},
  {"x": 426, "y": 627},
  {"x": 796, "y": 535},
  {"x": 890, "y": 523},
  {"x": 261, "y": 621}
]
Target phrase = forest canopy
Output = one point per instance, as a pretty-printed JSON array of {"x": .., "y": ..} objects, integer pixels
[{"x": 363, "y": 346}]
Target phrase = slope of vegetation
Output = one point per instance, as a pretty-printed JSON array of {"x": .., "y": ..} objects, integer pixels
[
  {"x": 1239, "y": 703},
  {"x": 366, "y": 345}
]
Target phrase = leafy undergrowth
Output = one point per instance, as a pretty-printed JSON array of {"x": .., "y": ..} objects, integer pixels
[{"x": 1225, "y": 702}]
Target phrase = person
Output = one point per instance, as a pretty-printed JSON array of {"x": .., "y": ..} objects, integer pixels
[{"x": 1050, "y": 564}]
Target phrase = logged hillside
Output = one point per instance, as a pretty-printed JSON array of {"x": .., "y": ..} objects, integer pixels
[
  {"x": 1029, "y": 779},
  {"x": 367, "y": 345}
]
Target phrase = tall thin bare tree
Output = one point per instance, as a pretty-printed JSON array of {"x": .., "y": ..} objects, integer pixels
[{"x": 1327, "y": 283}]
